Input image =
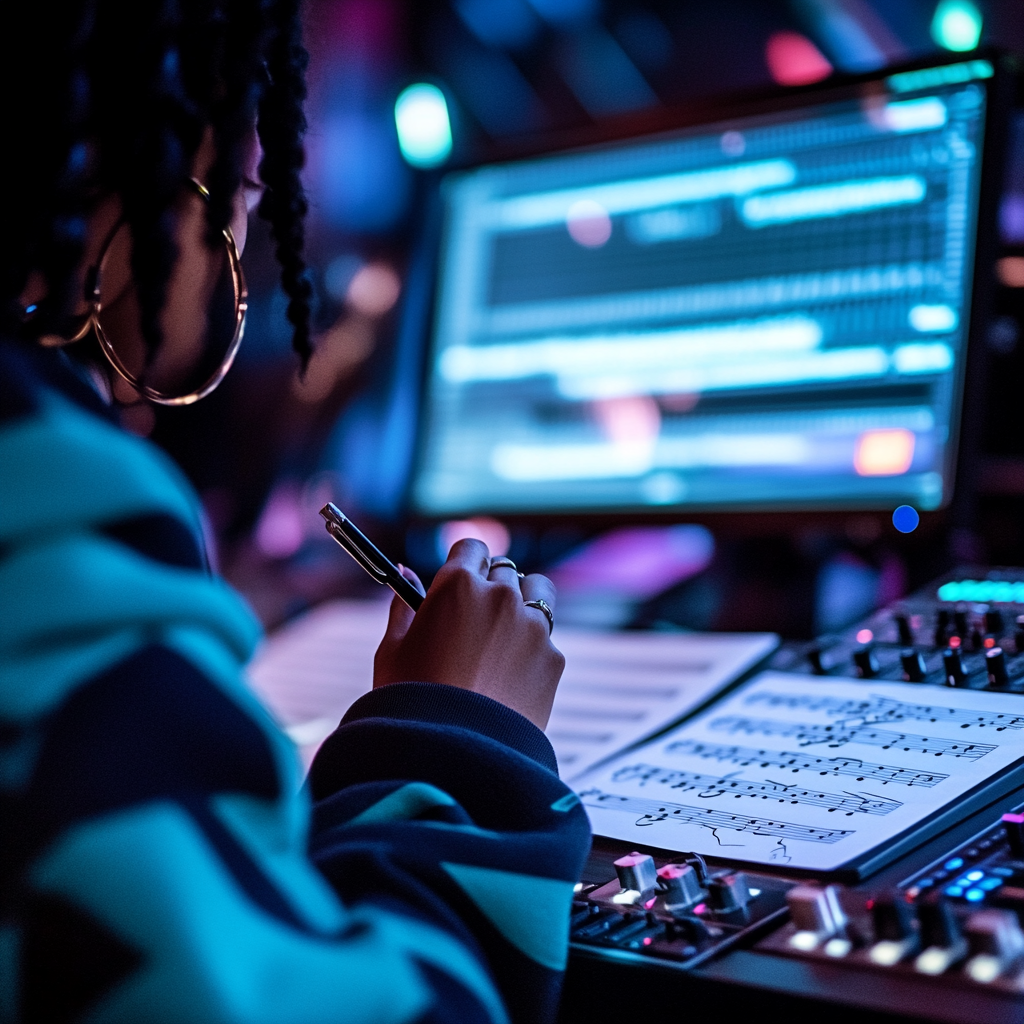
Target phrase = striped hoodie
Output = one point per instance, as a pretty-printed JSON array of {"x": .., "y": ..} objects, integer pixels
[{"x": 161, "y": 857}]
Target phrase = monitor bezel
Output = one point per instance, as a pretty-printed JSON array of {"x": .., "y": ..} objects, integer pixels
[{"x": 752, "y": 517}]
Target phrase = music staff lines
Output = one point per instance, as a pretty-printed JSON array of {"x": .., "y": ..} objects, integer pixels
[
  {"x": 651, "y": 812},
  {"x": 708, "y": 787},
  {"x": 878, "y": 710},
  {"x": 840, "y": 734},
  {"x": 853, "y": 767}
]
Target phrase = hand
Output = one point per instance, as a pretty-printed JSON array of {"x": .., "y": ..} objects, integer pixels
[{"x": 474, "y": 631}]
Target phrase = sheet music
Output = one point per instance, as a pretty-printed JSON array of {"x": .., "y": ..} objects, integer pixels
[
  {"x": 812, "y": 773},
  {"x": 621, "y": 687},
  {"x": 617, "y": 688}
]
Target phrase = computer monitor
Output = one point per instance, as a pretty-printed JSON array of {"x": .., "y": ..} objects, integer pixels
[{"x": 768, "y": 311}]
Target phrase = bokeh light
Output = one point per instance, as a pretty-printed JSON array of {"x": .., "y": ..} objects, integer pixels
[
  {"x": 957, "y": 25},
  {"x": 424, "y": 129},
  {"x": 793, "y": 59},
  {"x": 906, "y": 519}
]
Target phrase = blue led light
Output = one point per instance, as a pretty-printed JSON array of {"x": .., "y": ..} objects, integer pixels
[
  {"x": 990, "y": 883},
  {"x": 954, "y": 890},
  {"x": 906, "y": 519},
  {"x": 974, "y": 895},
  {"x": 1004, "y": 872},
  {"x": 974, "y": 876},
  {"x": 952, "y": 865}
]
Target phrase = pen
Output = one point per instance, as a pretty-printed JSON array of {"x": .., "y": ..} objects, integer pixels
[{"x": 368, "y": 555}]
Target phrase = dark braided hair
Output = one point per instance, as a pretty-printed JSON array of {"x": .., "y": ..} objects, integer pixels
[{"x": 114, "y": 97}]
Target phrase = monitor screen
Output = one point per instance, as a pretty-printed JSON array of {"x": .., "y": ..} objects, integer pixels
[{"x": 769, "y": 311}]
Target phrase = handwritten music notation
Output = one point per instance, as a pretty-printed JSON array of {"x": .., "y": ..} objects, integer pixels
[
  {"x": 835, "y": 766},
  {"x": 708, "y": 787},
  {"x": 839, "y": 734},
  {"x": 877, "y": 710},
  {"x": 651, "y": 812}
]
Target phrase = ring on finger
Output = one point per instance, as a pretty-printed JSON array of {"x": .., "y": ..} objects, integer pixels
[
  {"x": 501, "y": 562},
  {"x": 541, "y": 605}
]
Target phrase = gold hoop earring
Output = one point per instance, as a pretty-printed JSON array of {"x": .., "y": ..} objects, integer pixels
[{"x": 241, "y": 295}]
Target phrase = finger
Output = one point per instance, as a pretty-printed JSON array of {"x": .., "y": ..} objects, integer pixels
[
  {"x": 412, "y": 578},
  {"x": 506, "y": 575},
  {"x": 536, "y": 587},
  {"x": 399, "y": 620},
  {"x": 470, "y": 554}
]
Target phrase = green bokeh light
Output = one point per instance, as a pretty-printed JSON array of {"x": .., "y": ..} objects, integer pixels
[
  {"x": 424, "y": 129},
  {"x": 956, "y": 25}
]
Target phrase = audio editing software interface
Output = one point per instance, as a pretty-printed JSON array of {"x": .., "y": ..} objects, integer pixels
[{"x": 766, "y": 312}]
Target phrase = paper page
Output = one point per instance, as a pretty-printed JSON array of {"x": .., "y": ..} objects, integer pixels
[
  {"x": 617, "y": 688},
  {"x": 621, "y": 687},
  {"x": 812, "y": 773}
]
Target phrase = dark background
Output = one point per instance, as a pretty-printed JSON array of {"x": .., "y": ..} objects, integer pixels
[{"x": 268, "y": 449}]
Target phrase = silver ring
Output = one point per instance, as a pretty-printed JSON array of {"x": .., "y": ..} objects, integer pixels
[
  {"x": 543, "y": 606},
  {"x": 501, "y": 562}
]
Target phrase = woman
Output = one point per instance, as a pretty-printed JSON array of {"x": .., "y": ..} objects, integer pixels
[{"x": 159, "y": 857}]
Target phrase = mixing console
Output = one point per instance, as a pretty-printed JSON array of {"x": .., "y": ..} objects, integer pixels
[
  {"x": 966, "y": 630},
  {"x": 937, "y": 935}
]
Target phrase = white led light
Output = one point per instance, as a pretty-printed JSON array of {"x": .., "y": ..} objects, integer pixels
[{"x": 424, "y": 129}]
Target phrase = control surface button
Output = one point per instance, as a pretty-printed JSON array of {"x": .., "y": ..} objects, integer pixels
[
  {"x": 994, "y": 621},
  {"x": 865, "y": 663},
  {"x": 815, "y": 912},
  {"x": 1013, "y": 827},
  {"x": 893, "y": 921},
  {"x": 943, "y": 943},
  {"x": 995, "y": 664},
  {"x": 637, "y": 872},
  {"x": 995, "y": 940},
  {"x": 914, "y": 669},
  {"x": 953, "y": 667}
]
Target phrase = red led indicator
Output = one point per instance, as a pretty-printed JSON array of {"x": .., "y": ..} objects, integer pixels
[
  {"x": 990, "y": 641},
  {"x": 865, "y": 636},
  {"x": 954, "y": 642}
]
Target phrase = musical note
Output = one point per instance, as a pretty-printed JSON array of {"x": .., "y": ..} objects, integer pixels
[
  {"x": 650, "y": 812},
  {"x": 836, "y": 766},
  {"x": 837, "y": 735},
  {"x": 710, "y": 786},
  {"x": 877, "y": 710}
]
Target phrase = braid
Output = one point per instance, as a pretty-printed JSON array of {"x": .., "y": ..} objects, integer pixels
[
  {"x": 281, "y": 126},
  {"x": 114, "y": 97}
]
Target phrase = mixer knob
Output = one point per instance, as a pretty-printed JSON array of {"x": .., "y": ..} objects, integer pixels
[
  {"x": 680, "y": 885},
  {"x": 995, "y": 664},
  {"x": 943, "y": 943},
  {"x": 816, "y": 913},
  {"x": 963, "y": 626},
  {"x": 893, "y": 921},
  {"x": 696, "y": 861},
  {"x": 1018, "y": 634},
  {"x": 953, "y": 667},
  {"x": 906, "y": 634},
  {"x": 913, "y": 666},
  {"x": 729, "y": 892},
  {"x": 995, "y": 940},
  {"x": 994, "y": 622},
  {"x": 941, "y": 627},
  {"x": 1013, "y": 828},
  {"x": 637, "y": 873},
  {"x": 814, "y": 657},
  {"x": 865, "y": 663}
]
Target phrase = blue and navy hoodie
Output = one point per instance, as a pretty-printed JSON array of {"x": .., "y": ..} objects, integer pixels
[{"x": 160, "y": 856}]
